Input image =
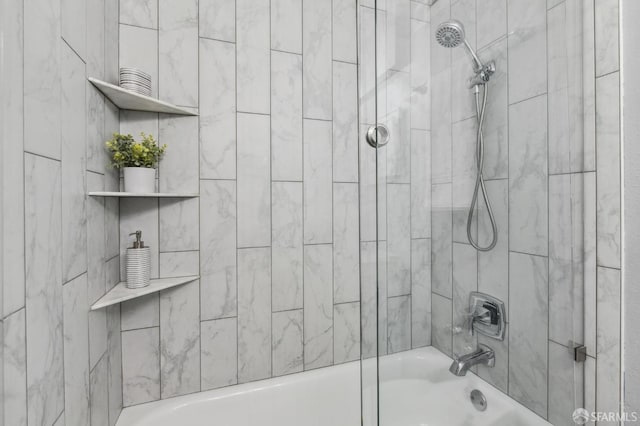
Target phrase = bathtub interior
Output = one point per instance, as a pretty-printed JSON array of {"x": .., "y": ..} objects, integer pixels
[{"x": 416, "y": 389}]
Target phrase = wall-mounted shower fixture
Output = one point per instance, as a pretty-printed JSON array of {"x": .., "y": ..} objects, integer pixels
[{"x": 450, "y": 34}]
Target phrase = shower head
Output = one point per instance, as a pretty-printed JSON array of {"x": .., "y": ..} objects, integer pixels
[{"x": 451, "y": 34}]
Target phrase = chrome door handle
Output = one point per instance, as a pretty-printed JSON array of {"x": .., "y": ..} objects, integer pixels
[{"x": 378, "y": 136}]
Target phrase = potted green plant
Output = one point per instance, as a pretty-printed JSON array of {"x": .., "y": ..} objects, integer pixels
[{"x": 138, "y": 160}]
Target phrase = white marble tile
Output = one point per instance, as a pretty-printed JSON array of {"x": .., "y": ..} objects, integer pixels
[
  {"x": 317, "y": 182},
  {"x": 253, "y": 55},
  {"x": 493, "y": 265},
  {"x": 399, "y": 326},
  {"x": 398, "y": 120},
  {"x": 254, "y": 176},
  {"x": 99, "y": 399},
  {"x": 139, "y": 214},
  {"x": 373, "y": 190},
  {"x": 398, "y": 35},
  {"x": 76, "y": 351},
  {"x": 180, "y": 340},
  {"x": 12, "y": 162},
  {"x": 318, "y": 306},
  {"x": 179, "y": 264},
  {"x": 420, "y": 293},
  {"x": 491, "y": 21},
  {"x": 420, "y": 11},
  {"x": 420, "y": 74},
  {"x": 178, "y": 170},
  {"x": 114, "y": 353},
  {"x": 606, "y": 36},
  {"x": 217, "y": 19},
  {"x": 254, "y": 314},
  {"x": 287, "y": 250},
  {"x": 14, "y": 364},
  {"x": 73, "y": 29},
  {"x": 588, "y": 86},
  {"x": 462, "y": 99},
  {"x": 286, "y": 25},
  {"x": 608, "y": 344},
  {"x": 565, "y": 385},
  {"x": 344, "y": 28},
  {"x": 441, "y": 323},
  {"x": 219, "y": 353},
  {"x": 441, "y": 248},
  {"x": 141, "y": 13},
  {"x": 286, "y": 116},
  {"x": 463, "y": 178},
  {"x": 527, "y": 49},
  {"x": 111, "y": 39},
  {"x": 383, "y": 301},
  {"x": 346, "y": 271},
  {"x": 97, "y": 336},
  {"x": 45, "y": 381},
  {"x": 73, "y": 167},
  {"x": 420, "y": 184},
  {"x": 368, "y": 298},
  {"x": 316, "y": 80},
  {"x": 345, "y": 122},
  {"x": 528, "y": 176},
  {"x": 177, "y": 219},
  {"x": 140, "y": 366},
  {"x": 346, "y": 332},
  {"x": 178, "y": 52},
  {"x": 139, "y": 49},
  {"x": 367, "y": 73},
  {"x": 608, "y": 176},
  {"x": 563, "y": 297},
  {"x": 440, "y": 97},
  {"x": 96, "y": 274},
  {"x": 589, "y": 246},
  {"x": 141, "y": 312},
  {"x": 95, "y": 56},
  {"x": 528, "y": 296},
  {"x": 287, "y": 342},
  {"x": 495, "y": 129},
  {"x": 112, "y": 228},
  {"x": 97, "y": 156},
  {"x": 465, "y": 281},
  {"x": 217, "y": 249},
  {"x": 399, "y": 239},
  {"x": 42, "y": 60},
  {"x": 498, "y": 375},
  {"x": 217, "y": 110}
]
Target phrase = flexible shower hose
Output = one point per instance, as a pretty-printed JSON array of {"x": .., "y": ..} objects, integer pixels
[{"x": 480, "y": 186}]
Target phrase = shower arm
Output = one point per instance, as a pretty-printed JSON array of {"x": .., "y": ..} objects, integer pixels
[{"x": 478, "y": 66}]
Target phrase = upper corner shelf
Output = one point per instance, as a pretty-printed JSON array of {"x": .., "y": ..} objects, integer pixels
[
  {"x": 125, "y": 99},
  {"x": 142, "y": 195}
]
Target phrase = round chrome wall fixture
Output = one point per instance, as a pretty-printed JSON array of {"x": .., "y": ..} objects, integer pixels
[
  {"x": 478, "y": 400},
  {"x": 377, "y": 136}
]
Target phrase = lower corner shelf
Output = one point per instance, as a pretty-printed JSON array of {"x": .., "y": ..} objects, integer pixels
[{"x": 121, "y": 293}]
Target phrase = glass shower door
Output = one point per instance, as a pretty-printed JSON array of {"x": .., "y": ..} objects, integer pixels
[{"x": 423, "y": 253}]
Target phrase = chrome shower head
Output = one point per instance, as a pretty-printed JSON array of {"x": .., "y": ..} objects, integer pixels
[{"x": 450, "y": 33}]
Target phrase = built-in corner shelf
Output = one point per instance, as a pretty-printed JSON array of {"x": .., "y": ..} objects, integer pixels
[
  {"x": 125, "y": 99},
  {"x": 120, "y": 293},
  {"x": 142, "y": 195}
]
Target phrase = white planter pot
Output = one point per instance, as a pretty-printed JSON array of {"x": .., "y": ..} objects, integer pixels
[{"x": 139, "y": 180}]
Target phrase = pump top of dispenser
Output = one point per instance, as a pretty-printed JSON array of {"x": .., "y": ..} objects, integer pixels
[{"x": 138, "y": 243}]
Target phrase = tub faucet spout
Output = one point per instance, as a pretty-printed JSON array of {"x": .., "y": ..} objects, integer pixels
[{"x": 484, "y": 355}]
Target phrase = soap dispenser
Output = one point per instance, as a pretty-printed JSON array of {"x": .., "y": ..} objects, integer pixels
[{"x": 138, "y": 263}]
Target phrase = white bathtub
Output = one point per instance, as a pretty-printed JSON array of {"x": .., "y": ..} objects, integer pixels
[{"x": 416, "y": 390}]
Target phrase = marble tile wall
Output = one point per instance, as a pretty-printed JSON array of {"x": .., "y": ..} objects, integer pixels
[
  {"x": 552, "y": 164},
  {"x": 61, "y": 362},
  {"x": 274, "y": 154}
]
